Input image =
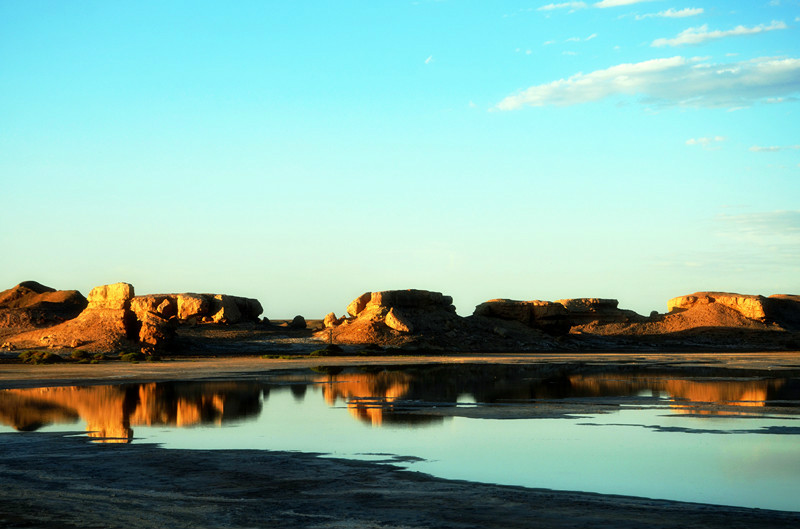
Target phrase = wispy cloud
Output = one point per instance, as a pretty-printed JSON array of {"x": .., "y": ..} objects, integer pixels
[
  {"x": 774, "y": 148},
  {"x": 563, "y": 5},
  {"x": 618, "y": 3},
  {"x": 429, "y": 59},
  {"x": 706, "y": 142},
  {"x": 770, "y": 223},
  {"x": 701, "y": 34},
  {"x": 674, "y": 13},
  {"x": 579, "y": 39},
  {"x": 674, "y": 81},
  {"x": 572, "y": 6}
]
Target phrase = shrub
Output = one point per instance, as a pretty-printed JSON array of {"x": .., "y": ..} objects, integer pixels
[
  {"x": 39, "y": 357},
  {"x": 132, "y": 357},
  {"x": 329, "y": 350},
  {"x": 79, "y": 354}
]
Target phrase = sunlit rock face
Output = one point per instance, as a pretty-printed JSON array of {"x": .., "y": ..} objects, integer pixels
[
  {"x": 115, "y": 318},
  {"x": 394, "y": 317},
  {"x": 111, "y": 412},
  {"x": 105, "y": 323},
  {"x": 751, "y": 307},
  {"x": 30, "y": 305},
  {"x": 557, "y": 317}
]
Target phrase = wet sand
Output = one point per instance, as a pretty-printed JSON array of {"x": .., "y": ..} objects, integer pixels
[{"x": 55, "y": 480}]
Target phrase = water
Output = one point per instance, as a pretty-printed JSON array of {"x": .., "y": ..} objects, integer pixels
[{"x": 729, "y": 441}]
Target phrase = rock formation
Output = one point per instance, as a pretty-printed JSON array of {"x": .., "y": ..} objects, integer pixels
[
  {"x": 105, "y": 324},
  {"x": 426, "y": 320},
  {"x": 751, "y": 307},
  {"x": 556, "y": 317},
  {"x": 115, "y": 319},
  {"x": 389, "y": 317},
  {"x": 30, "y": 305}
]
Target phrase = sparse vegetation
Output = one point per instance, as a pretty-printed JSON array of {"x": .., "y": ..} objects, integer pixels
[
  {"x": 80, "y": 356},
  {"x": 281, "y": 357},
  {"x": 39, "y": 357},
  {"x": 329, "y": 350},
  {"x": 133, "y": 358}
]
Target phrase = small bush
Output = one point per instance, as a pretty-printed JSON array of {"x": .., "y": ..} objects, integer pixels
[
  {"x": 39, "y": 357},
  {"x": 132, "y": 357},
  {"x": 79, "y": 354},
  {"x": 99, "y": 357},
  {"x": 329, "y": 350}
]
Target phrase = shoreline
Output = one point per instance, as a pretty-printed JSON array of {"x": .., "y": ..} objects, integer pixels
[
  {"x": 207, "y": 367},
  {"x": 56, "y": 479}
]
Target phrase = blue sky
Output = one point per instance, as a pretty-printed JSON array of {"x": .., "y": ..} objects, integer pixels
[{"x": 305, "y": 152}]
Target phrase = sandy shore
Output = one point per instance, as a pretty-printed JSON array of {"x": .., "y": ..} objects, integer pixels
[
  {"x": 15, "y": 375},
  {"x": 55, "y": 480}
]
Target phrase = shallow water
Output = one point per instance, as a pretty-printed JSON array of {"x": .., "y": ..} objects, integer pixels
[{"x": 730, "y": 441}]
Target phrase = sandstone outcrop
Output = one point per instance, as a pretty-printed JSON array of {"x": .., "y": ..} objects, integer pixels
[
  {"x": 105, "y": 324},
  {"x": 391, "y": 316},
  {"x": 425, "y": 320},
  {"x": 31, "y": 305},
  {"x": 115, "y": 319},
  {"x": 714, "y": 318},
  {"x": 749, "y": 306},
  {"x": 205, "y": 308},
  {"x": 556, "y": 317}
]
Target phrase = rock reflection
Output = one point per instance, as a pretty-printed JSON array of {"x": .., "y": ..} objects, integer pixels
[
  {"x": 111, "y": 412},
  {"x": 402, "y": 396},
  {"x": 369, "y": 397},
  {"x": 686, "y": 394}
]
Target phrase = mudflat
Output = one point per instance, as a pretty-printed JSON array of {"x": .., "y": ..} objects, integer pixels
[{"x": 49, "y": 479}]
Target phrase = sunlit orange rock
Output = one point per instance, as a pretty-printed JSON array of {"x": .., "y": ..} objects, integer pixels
[{"x": 748, "y": 306}]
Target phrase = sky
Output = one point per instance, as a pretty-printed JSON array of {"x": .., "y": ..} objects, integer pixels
[{"x": 305, "y": 152}]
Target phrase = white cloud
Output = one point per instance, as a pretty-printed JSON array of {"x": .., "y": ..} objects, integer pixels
[
  {"x": 767, "y": 224},
  {"x": 706, "y": 142},
  {"x": 673, "y": 13},
  {"x": 774, "y": 148},
  {"x": 572, "y": 6},
  {"x": 701, "y": 34},
  {"x": 674, "y": 81},
  {"x": 548, "y": 42},
  {"x": 617, "y": 3},
  {"x": 564, "y": 5},
  {"x": 429, "y": 59}
]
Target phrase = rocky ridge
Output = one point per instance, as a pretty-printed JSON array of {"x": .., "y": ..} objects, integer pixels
[{"x": 113, "y": 318}]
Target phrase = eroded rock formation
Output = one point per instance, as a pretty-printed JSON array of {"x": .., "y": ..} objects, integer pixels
[
  {"x": 30, "y": 305},
  {"x": 114, "y": 318},
  {"x": 423, "y": 319},
  {"x": 556, "y": 317},
  {"x": 751, "y": 307}
]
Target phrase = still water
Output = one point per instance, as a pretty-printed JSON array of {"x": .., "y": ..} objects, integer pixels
[{"x": 729, "y": 441}]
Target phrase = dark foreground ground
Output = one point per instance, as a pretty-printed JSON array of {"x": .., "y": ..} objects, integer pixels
[{"x": 50, "y": 480}]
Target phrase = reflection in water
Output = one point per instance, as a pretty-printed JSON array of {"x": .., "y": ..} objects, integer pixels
[
  {"x": 684, "y": 393},
  {"x": 110, "y": 412},
  {"x": 378, "y": 398}
]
